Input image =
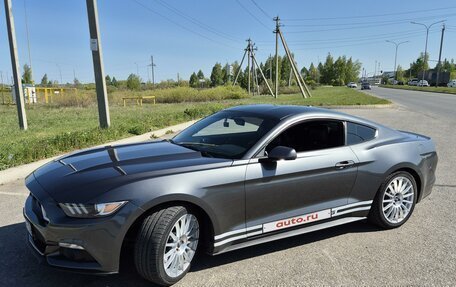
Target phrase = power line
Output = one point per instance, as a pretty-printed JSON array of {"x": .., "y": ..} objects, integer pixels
[
  {"x": 197, "y": 22},
  {"x": 261, "y": 9},
  {"x": 356, "y": 44},
  {"x": 351, "y": 39},
  {"x": 371, "y": 16},
  {"x": 180, "y": 25},
  {"x": 359, "y": 27},
  {"x": 251, "y": 14},
  {"x": 373, "y": 22}
]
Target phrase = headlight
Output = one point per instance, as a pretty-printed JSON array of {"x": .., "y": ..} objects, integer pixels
[{"x": 91, "y": 210}]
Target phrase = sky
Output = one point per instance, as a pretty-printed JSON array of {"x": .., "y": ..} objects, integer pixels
[{"x": 185, "y": 36}]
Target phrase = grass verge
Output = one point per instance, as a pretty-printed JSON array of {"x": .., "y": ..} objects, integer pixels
[
  {"x": 445, "y": 90},
  {"x": 54, "y": 130}
]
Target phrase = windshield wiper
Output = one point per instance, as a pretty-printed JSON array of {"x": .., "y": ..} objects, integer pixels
[
  {"x": 191, "y": 145},
  {"x": 194, "y": 143}
]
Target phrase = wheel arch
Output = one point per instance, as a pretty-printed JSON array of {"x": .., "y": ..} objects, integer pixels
[
  {"x": 202, "y": 214},
  {"x": 415, "y": 173}
]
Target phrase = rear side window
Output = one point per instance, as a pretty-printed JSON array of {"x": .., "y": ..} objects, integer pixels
[{"x": 357, "y": 133}]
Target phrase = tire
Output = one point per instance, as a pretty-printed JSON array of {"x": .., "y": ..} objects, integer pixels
[
  {"x": 154, "y": 241},
  {"x": 392, "y": 207}
]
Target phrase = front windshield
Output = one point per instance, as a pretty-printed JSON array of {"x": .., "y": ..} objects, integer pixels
[{"x": 227, "y": 134}]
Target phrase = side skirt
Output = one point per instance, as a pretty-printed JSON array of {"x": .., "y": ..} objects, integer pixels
[{"x": 291, "y": 233}]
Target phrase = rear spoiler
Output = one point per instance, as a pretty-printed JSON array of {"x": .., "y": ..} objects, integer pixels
[{"x": 414, "y": 134}]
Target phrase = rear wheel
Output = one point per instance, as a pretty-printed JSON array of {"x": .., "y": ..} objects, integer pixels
[
  {"x": 166, "y": 244},
  {"x": 395, "y": 201}
]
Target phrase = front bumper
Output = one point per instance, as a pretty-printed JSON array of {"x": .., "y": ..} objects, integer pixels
[{"x": 92, "y": 245}]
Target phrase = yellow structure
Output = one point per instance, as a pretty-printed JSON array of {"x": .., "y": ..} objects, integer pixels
[
  {"x": 139, "y": 99},
  {"x": 49, "y": 92}
]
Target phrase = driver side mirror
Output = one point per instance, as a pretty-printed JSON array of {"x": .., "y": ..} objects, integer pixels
[{"x": 280, "y": 153}]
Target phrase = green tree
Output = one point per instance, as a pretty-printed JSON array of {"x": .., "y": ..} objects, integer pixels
[
  {"x": 327, "y": 72},
  {"x": 108, "y": 80},
  {"x": 27, "y": 75},
  {"x": 352, "y": 70},
  {"x": 285, "y": 70},
  {"x": 400, "y": 76},
  {"x": 313, "y": 74},
  {"x": 114, "y": 82},
  {"x": 419, "y": 65},
  {"x": 44, "y": 80},
  {"x": 200, "y": 75},
  {"x": 226, "y": 73},
  {"x": 133, "y": 82},
  {"x": 339, "y": 69},
  {"x": 193, "y": 82},
  {"x": 217, "y": 75}
]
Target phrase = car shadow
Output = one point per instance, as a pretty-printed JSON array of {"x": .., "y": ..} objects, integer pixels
[{"x": 21, "y": 268}]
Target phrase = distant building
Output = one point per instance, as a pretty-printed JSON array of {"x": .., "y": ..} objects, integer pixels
[{"x": 431, "y": 77}]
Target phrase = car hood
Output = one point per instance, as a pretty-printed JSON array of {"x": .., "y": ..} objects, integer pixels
[{"x": 86, "y": 174}]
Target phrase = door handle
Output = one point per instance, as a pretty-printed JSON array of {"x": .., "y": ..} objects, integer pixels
[{"x": 344, "y": 164}]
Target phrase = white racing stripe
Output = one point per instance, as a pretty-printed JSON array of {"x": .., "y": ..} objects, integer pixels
[{"x": 291, "y": 222}]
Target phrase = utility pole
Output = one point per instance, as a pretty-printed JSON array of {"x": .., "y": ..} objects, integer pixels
[
  {"x": 178, "y": 79},
  {"x": 15, "y": 66},
  {"x": 249, "y": 51},
  {"x": 60, "y": 72},
  {"x": 97, "y": 55},
  {"x": 302, "y": 85},
  {"x": 28, "y": 40},
  {"x": 240, "y": 67},
  {"x": 440, "y": 56},
  {"x": 425, "y": 46},
  {"x": 254, "y": 71},
  {"x": 3, "y": 86},
  {"x": 262, "y": 75},
  {"x": 276, "y": 31},
  {"x": 395, "y": 56},
  {"x": 152, "y": 65},
  {"x": 375, "y": 70}
]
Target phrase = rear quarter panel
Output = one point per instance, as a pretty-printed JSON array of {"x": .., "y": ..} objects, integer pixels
[{"x": 391, "y": 151}]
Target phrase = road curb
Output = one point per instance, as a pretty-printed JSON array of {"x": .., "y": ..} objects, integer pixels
[
  {"x": 21, "y": 171},
  {"x": 380, "y": 106}
]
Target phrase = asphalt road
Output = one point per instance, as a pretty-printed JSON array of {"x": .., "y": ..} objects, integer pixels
[
  {"x": 433, "y": 104},
  {"x": 422, "y": 252}
]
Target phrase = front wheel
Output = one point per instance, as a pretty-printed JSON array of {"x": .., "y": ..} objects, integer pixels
[
  {"x": 166, "y": 244},
  {"x": 395, "y": 201}
]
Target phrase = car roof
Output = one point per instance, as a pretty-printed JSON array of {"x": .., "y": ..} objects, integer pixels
[{"x": 281, "y": 111}]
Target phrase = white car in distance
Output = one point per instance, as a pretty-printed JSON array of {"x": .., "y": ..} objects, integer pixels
[{"x": 452, "y": 84}]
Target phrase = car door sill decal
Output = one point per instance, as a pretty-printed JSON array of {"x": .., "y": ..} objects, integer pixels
[
  {"x": 290, "y": 233},
  {"x": 283, "y": 224}
]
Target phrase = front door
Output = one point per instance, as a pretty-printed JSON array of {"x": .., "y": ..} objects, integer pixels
[{"x": 320, "y": 178}]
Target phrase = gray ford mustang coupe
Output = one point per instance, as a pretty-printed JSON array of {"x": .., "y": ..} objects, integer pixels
[{"x": 240, "y": 177}]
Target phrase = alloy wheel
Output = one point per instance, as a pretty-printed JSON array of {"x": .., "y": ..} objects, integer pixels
[
  {"x": 181, "y": 245},
  {"x": 398, "y": 199}
]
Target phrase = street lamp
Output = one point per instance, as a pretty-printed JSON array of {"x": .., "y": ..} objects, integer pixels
[
  {"x": 395, "y": 55},
  {"x": 425, "y": 47}
]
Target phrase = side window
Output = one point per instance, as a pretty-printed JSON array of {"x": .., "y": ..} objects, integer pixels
[
  {"x": 357, "y": 133},
  {"x": 311, "y": 135}
]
